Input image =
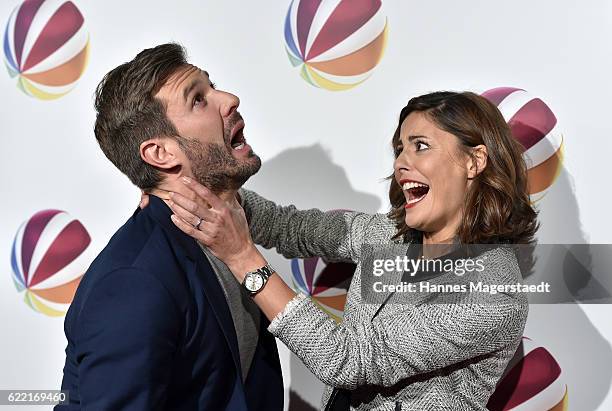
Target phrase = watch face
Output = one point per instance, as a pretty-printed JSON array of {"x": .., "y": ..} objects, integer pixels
[{"x": 253, "y": 282}]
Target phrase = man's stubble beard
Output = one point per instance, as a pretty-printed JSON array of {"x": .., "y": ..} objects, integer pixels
[{"x": 215, "y": 168}]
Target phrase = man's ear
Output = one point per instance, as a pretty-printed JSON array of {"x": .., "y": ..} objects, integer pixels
[
  {"x": 477, "y": 161},
  {"x": 163, "y": 153}
]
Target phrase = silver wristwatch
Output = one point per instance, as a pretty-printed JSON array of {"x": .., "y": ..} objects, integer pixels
[{"x": 255, "y": 281}]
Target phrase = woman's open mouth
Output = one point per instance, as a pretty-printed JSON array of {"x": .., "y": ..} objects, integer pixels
[{"x": 415, "y": 192}]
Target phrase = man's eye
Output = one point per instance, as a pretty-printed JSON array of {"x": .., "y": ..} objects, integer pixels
[{"x": 198, "y": 100}]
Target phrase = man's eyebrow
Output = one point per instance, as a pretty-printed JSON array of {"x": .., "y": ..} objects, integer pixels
[
  {"x": 189, "y": 88},
  {"x": 208, "y": 77},
  {"x": 193, "y": 84}
]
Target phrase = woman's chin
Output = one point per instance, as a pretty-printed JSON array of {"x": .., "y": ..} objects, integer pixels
[{"x": 413, "y": 223}]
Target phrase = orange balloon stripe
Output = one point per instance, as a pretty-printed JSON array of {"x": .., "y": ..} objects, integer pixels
[
  {"x": 336, "y": 302},
  {"x": 62, "y": 75},
  {"x": 61, "y": 294},
  {"x": 543, "y": 175},
  {"x": 358, "y": 62}
]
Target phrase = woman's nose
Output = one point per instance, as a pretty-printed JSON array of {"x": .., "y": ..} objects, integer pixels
[{"x": 403, "y": 162}]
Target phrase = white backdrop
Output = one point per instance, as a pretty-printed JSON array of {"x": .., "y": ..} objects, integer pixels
[{"x": 321, "y": 148}]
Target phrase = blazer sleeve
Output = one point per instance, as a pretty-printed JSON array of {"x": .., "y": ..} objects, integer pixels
[
  {"x": 399, "y": 344},
  {"x": 333, "y": 235},
  {"x": 127, "y": 335}
]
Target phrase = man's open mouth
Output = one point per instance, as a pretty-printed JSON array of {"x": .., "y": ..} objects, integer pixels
[
  {"x": 415, "y": 191},
  {"x": 238, "y": 141}
]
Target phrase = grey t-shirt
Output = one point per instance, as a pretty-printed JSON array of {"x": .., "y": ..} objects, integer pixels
[{"x": 245, "y": 313}]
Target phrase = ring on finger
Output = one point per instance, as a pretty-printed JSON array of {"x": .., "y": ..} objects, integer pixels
[{"x": 197, "y": 225}]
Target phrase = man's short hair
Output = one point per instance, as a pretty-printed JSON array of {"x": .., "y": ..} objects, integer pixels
[{"x": 127, "y": 113}]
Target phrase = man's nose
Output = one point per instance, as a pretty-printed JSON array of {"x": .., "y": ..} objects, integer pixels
[{"x": 228, "y": 103}]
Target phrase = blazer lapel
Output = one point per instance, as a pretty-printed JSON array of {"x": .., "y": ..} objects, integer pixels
[
  {"x": 371, "y": 254},
  {"x": 214, "y": 293}
]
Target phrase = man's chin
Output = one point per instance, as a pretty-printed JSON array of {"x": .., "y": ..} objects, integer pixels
[
  {"x": 248, "y": 167},
  {"x": 249, "y": 158},
  {"x": 254, "y": 162}
]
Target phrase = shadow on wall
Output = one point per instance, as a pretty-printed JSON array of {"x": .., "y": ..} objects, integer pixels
[
  {"x": 572, "y": 352},
  {"x": 307, "y": 178},
  {"x": 584, "y": 355}
]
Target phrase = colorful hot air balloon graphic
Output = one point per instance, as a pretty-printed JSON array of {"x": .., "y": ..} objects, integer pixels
[
  {"x": 335, "y": 43},
  {"x": 534, "y": 125},
  {"x": 46, "y": 47},
  {"x": 325, "y": 283},
  {"x": 533, "y": 381},
  {"x": 48, "y": 259}
]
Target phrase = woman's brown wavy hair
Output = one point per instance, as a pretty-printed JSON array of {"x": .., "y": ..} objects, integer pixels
[{"x": 497, "y": 207}]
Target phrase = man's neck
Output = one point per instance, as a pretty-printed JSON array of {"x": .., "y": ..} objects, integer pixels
[
  {"x": 227, "y": 196},
  {"x": 164, "y": 191}
]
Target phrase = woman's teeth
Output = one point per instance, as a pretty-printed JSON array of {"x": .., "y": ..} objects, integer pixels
[{"x": 413, "y": 184}]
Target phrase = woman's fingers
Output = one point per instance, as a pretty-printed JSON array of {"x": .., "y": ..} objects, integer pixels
[
  {"x": 201, "y": 235},
  {"x": 184, "y": 206},
  {"x": 203, "y": 192},
  {"x": 187, "y": 216},
  {"x": 144, "y": 199}
]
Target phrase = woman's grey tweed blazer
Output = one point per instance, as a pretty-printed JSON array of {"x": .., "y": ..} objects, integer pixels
[{"x": 415, "y": 355}]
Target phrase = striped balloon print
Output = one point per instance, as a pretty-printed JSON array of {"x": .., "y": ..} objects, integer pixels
[
  {"x": 48, "y": 259},
  {"x": 335, "y": 43},
  {"x": 46, "y": 47},
  {"x": 534, "y": 125},
  {"x": 533, "y": 381},
  {"x": 327, "y": 284}
]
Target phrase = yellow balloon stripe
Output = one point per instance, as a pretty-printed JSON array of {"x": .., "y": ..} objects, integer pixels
[
  {"x": 36, "y": 92},
  {"x": 328, "y": 84},
  {"x": 385, "y": 41},
  {"x": 40, "y": 306},
  {"x": 561, "y": 155},
  {"x": 561, "y": 405}
]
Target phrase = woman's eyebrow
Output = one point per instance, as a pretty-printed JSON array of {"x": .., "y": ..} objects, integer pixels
[{"x": 415, "y": 136}]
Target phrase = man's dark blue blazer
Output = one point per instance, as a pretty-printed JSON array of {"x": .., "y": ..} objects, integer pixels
[{"x": 150, "y": 329}]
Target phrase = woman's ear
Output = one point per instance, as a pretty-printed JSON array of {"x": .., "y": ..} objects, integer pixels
[
  {"x": 478, "y": 160},
  {"x": 162, "y": 153}
]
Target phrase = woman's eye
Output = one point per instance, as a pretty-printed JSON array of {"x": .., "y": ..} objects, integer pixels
[
  {"x": 398, "y": 150},
  {"x": 420, "y": 146}
]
